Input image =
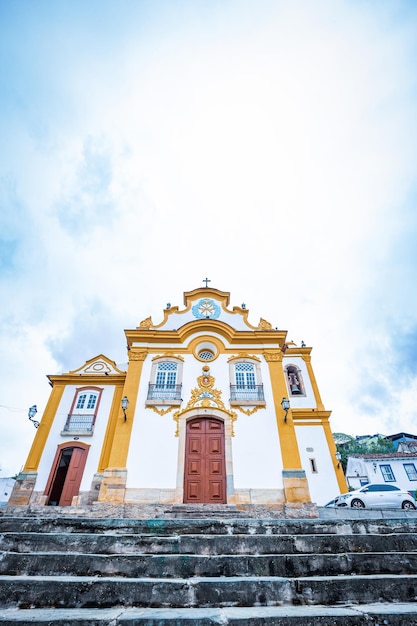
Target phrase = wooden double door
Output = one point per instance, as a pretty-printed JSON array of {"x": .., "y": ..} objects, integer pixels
[{"x": 205, "y": 465}]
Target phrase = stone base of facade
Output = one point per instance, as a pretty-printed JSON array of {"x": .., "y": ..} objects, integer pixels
[
  {"x": 113, "y": 485},
  {"x": 23, "y": 489},
  {"x": 109, "y": 497},
  {"x": 160, "y": 511},
  {"x": 296, "y": 487},
  {"x": 267, "y": 497}
]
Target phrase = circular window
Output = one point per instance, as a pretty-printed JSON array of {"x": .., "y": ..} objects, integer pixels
[
  {"x": 206, "y": 355},
  {"x": 206, "y": 351}
]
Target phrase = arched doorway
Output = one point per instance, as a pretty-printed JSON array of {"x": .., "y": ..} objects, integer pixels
[
  {"x": 66, "y": 474},
  {"x": 205, "y": 467}
]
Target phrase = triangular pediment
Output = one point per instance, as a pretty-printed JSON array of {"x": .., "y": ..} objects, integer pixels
[{"x": 99, "y": 365}]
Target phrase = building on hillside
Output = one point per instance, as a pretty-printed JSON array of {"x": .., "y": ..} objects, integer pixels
[
  {"x": 197, "y": 416},
  {"x": 396, "y": 468},
  {"x": 402, "y": 438}
]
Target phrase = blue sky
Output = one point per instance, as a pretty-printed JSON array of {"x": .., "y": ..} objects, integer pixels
[{"x": 270, "y": 146}]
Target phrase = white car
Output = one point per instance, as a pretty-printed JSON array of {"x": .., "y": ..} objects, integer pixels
[{"x": 377, "y": 496}]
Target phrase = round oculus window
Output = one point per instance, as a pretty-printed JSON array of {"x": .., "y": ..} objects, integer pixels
[{"x": 206, "y": 355}]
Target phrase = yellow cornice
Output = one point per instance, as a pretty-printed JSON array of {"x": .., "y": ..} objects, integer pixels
[
  {"x": 295, "y": 350},
  {"x": 223, "y": 296},
  {"x": 302, "y": 414},
  {"x": 232, "y": 336},
  {"x": 87, "y": 379}
]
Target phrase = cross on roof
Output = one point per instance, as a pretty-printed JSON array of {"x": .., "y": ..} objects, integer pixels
[{"x": 206, "y": 280}]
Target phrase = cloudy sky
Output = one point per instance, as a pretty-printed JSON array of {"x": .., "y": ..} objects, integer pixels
[{"x": 268, "y": 145}]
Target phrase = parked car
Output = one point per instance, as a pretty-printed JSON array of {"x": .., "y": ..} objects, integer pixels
[{"x": 377, "y": 496}]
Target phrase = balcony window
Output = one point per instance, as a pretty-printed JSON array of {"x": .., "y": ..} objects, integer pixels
[
  {"x": 246, "y": 387},
  {"x": 247, "y": 393},
  {"x": 83, "y": 411},
  {"x": 77, "y": 422},
  {"x": 165, "y": 387}
]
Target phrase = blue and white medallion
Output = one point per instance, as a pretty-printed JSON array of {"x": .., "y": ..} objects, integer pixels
[{"x": 206, "y": 308}]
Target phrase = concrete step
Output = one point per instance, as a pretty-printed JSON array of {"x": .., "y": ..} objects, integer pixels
[
  {"x": 205, "y": 511},
  {"x": 400, "y": 614},
  {"x": 110, "y": 543},
  {"x": 107, "y": 592},
  {"x": 187, "y": 566},
  {"x": 167, "y": 527},
  {"x": 63, "y": 571}
]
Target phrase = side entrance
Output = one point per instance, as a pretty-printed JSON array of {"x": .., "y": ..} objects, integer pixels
[
  {"x": 205, "y": 467},
  {"x": 66, "y": 474}
]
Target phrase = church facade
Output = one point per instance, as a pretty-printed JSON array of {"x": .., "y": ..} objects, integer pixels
[{"x": 209, "y": 409}]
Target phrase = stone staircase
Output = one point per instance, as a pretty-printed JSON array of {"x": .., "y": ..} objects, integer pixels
[{"x": 59, "y": 570}]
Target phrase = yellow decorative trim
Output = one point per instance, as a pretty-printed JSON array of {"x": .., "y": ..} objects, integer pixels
[
  {"x": 98, "y": 366},
  {"x": 137, "y": 356},
  {"x": 271, "y": 357},
  {"x": 161, "y": 411},
  {"x": 264, "y": 325},
  {"x": 243, "y": 355},
  {"x": 168, "y": 355},
  {"x": 205, "y": 396},
  {"x": 146, "y": 323},
  {"x": 249, "y": 411}
]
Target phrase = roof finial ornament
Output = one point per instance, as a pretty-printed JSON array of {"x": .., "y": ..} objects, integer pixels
[{"x": 206, "y": 280}]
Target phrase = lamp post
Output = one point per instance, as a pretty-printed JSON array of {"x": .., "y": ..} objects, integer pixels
[
  {"x": 125, "y": 404},
  {"x": 31, "y": 414},
  {"x": 285, "y": 403}
]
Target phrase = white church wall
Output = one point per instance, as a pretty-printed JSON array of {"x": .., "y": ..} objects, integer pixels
[
  {"x": 153, "y": 450},
  {"x": 312, "y": 444},
  {"x": 257, "y": 462},
  {"x": 152, "y": 460}
]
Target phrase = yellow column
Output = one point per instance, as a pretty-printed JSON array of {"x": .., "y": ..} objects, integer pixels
[
  {"x": 111, "y": 427},
  {"x": 25, "y": 482},
  {"x": 294, "y": 479},
  {"x": 341, "y": 480},
  {"x": 113, "y": 486},
  {"x": 45, "y": 425}
]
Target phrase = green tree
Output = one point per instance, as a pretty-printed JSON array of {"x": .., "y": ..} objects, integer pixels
[{"x": 348, "y": 445}]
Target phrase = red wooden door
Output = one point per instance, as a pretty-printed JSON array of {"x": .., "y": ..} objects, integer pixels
[
  {"x": 205, "y": 473},
  {"x": 74, "y": 476},
  {"x": 66, "y": 474}
]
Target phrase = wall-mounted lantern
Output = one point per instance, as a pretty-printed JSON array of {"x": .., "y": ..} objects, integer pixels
[
  {"x": 125, "y": 404},
  {"x": 31, "y": 414},
  {"x": 285, "y": 403}
]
